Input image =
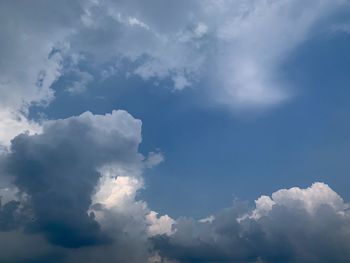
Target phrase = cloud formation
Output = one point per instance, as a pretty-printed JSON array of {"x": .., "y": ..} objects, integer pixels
[
  {"x": 73, "y": 190},
  {"x": 58, "y": 170},
  {"x": 293, "y": 225},
  {"x": 31, "y": 35},
  {"x": 236, "y": 47},
  {"x": 70, "y": 188}
]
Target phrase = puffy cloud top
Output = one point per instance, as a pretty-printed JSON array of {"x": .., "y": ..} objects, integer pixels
[
  {"x": 310, "y": 199},
  {"x": 294, "y": 225}
]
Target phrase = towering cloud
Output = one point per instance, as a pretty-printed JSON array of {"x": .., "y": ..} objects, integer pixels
[
  {"x": 73, "y": 191},
  {"x": 58, "y": 170}
]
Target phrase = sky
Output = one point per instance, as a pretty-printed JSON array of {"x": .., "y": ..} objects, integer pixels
[{"x": 174, "y": 131}]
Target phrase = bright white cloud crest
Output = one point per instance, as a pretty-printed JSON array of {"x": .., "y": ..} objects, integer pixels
[{"x": 309, "y": 199}]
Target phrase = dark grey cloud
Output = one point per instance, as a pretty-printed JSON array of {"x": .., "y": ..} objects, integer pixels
[
  {"x": 8, "y": 218},
  {"x": 20, "y": 247},
  {"x": 58, "y": 170}
]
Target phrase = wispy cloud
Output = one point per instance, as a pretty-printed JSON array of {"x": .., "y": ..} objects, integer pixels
[{"x": 237, "y": 45}]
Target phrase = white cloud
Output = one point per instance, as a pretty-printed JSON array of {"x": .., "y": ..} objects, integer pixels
[
  {"x": 263, "y": 205},
  {"x": 255, "y": 40},
  {"x": 80, "y": 85},
  {"x": 8, "y": 194},
  {"x": 208, "y": 219},
  {"x": 153, "y": 159},
  {"x": 310, "y": 199},
  {"x": 31, "y": 60},
  {"x": 117, "y": 192},
  {"x": 13, "y": 123},
  {"x": 159, "y": 225}
]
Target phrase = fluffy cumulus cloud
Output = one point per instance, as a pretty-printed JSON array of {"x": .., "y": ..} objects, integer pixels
[
  {"x": 293, "y": 225},
  {"x": 235, "y": 47}
]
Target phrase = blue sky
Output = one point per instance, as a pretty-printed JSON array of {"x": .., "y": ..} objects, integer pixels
[
  {"x": 216, "y": 153},
  {"x": 187, "y": 131}
]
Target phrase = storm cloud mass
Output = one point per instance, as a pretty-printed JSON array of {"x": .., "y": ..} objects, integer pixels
[
  {"x": 58, "y": 170},
  {"x": 79, "y": 176}
]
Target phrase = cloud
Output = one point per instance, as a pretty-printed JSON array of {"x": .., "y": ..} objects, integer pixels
[
  {"x": 13, "y": 123},
  {"x": 70, "y": 187},
  {"x": 80, "y": 85},
  {"x": 235, "y": 47},
  {"x": 73, "y": 189},
  {"x": 32, "y": 36},
  {"x": 238, "y": 46},
  {"x": 126, "y": 218},
  {"x": 58, "y": 169},
  {"x": 159, "y": 225},
  {"x": 153, "y": 159},
  {"x": 256, "y": 37},
  {"x": 116, "y": 197},
  {"x": 293, "y": 225}
]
